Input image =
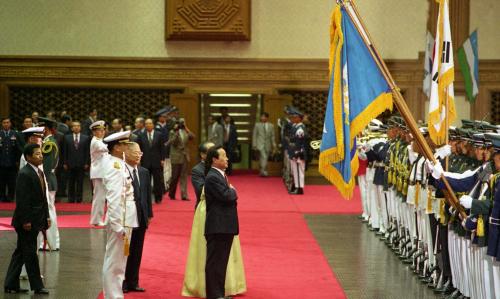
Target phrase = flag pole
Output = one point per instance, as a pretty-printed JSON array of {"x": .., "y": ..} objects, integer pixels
[{"x": 398, "y": 99}]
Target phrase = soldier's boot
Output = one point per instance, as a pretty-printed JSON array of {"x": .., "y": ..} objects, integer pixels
[
  {"x": 437, "y": 280},
  {"x": 454, "y": 295}
]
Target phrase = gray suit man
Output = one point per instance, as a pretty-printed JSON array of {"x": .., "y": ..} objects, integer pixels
[
  {"x": 215, "y": 132},
  {"x": 263, "y": 141}
]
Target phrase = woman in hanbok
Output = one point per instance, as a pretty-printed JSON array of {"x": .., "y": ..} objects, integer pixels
[{"x": 194, "y": 277}]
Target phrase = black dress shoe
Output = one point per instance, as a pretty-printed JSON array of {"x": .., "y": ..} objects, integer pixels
[
  {"x": 15, "y": 291},
  {"x": 42, "y": 291},
  {"x": 185, "y": 198},
  {"x": 137, "y": 289},
  {"x": 125, "y": 290}
]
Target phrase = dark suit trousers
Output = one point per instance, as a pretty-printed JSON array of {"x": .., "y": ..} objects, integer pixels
[
  {"x": 158, "y": 184},
  {"x": 25, "y": 254},
  {"x": 62, "y": 181},
  {"x": 218, "y": 250},
  {"x": 134, "y": 259},
  {"x": 75, "y": 181},
  {"x": 8, "y": 179}
]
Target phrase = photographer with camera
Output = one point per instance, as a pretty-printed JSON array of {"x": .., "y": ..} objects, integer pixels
[{"x": 179, "y": 137}]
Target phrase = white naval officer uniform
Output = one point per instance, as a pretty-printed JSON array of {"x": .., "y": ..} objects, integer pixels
[
  {"x": 122, "y": 218},
  {"x": 98, "y": 158}
]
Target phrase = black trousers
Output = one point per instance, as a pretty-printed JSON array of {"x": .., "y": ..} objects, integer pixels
[
  {"x": 62, "y": 182},
  {"x": 158, "y": 183},
  {"x": 75, "y": 181},
  {"x": 218, "y": 250},
  {"x": 445, "y": 254},
  {"x": 134, "y": 259},
  {"x": 8, "y": 180},
  {"x": 25, "y": 254}
]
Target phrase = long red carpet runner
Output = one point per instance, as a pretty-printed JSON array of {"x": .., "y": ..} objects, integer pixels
[{"x": 281, "y": 256}]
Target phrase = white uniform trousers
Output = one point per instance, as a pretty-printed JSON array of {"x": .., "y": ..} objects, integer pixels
[
  {"x": 374, "y": 220},
  {"x": 167, "y": 173},
  {"x": 98, "y": 203},
  {"x": 53, "y": 231},
  {"x": 495, "y": 276},
  {"x": 466, "y": 262},
  {"x": 485, "y": 276},
  {"x": 298, "y": 166},
  {"x": 382, "y": 209},
  {"x": 115, "y": 262},
  {"x": 363, "y": 190}
]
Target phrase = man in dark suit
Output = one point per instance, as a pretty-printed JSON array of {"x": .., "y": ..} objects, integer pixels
[
  {"x": 230, "y": 142},
  {"x": 76, "y": 161},
  {"x": 88, "y": 121},
  {"x": 222, "y": 221},
  {"x": 153, "y": 148},
  {"x": 30, "y": 217},
  {"x": 198, "y": 171},
  {"x": 142, "y": 196}
]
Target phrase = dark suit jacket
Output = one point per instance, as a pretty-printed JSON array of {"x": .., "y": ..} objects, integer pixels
[
  {"x": 154, "y": 153},
  {"x": 198, "y": 179},
  {"x": 31, "y": 201},
  {"x": 86, "y": 126},
  {"x": 76, "y": 157},
  {"x": 222, "y": 214},
  {"x": 143, "y": 197}
]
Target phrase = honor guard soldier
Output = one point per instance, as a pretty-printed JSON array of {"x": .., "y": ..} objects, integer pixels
[
  {"x": 98, "y": 159},
  {"x": 33, "y": 135},
  {"x": 164, "y": 125},
  {"x": 10, "y": 150},
  {"x": 474, "y": 186},
  {"x": 122, "y": 215},
  {"x": 297, "y": 151},
  {"x": 493, "y": 249},
  {"x": 50, "y": 152}
]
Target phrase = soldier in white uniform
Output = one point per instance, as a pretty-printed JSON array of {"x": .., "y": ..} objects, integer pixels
[
  {"x": 98, "y": 158},
  {"x": 297, "y": 152},
  {"x": 51, "y": 152},
  {"x": 33, "y": 135},
  {"x": 122, "y": 215}
]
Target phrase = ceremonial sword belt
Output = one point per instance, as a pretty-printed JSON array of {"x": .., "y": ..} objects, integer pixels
[{"x": 494, "y": 221}]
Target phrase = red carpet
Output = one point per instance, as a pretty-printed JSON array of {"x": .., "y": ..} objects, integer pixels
[{"x": 281, "y": 256}]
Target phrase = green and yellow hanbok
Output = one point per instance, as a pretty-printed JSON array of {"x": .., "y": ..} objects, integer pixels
[{"x": 194, "y": 277}]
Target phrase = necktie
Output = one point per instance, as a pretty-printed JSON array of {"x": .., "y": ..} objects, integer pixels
[
  {"x": 136, "y": 179},
  {"x": 42, "y": 180},
  {"x": 76, "y": 141},
  {"x": 150, "y": 138}
]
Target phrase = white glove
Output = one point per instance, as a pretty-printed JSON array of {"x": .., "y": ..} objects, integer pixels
[
  {"x": 466, "y": 201},
  {"x": 443, "y": 151},
  {"x": 435, "y": 169}
]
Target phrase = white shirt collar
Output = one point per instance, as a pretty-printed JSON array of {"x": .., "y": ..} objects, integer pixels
[
  {"x": 132, "y": 168},
  {"x": 220, "y": 171}
]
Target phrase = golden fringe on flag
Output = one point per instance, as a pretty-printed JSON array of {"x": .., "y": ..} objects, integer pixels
[{"x": 380, "y": 104}]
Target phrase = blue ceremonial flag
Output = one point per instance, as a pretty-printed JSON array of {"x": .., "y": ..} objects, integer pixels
[{"x": 358, "y": 93}]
